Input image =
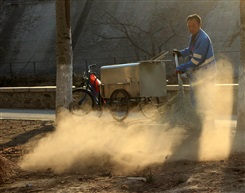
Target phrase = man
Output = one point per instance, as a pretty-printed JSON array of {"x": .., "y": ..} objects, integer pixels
[{"x": 201, "y": 67}]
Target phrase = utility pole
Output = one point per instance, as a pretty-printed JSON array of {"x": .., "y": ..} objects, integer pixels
[
  {"x": 64, "y": 56},
  {"x": 241, "y": 79}
]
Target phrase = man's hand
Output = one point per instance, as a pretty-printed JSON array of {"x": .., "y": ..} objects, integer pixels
[
  {"x": 178, "y": 72},
  {"x": 176, "y": 52}
]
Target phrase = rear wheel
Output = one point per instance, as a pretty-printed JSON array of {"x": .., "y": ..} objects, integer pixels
[
  {"x": 119, "y": 104},
  {"x": 149, "y": 108},
  {"x": 82, "y": 102}
]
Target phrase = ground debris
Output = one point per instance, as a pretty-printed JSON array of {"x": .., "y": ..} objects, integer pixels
[
  {"x": 137, "y": 178},
  {"x": 7, "y": 169},
  {"x": 226, "y": 175}
]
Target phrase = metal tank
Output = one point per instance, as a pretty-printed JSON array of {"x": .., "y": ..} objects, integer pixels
[{"x": 140, "y": 79}]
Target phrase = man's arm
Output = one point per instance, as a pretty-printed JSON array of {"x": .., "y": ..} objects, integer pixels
[
  {"x": 185, "y": 52},
  {"x": 198, "y": 55}
]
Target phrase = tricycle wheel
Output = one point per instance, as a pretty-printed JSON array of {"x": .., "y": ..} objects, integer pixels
[
  {"x": 119, "y": 104},
  {"x": 82, "y": 102},
  {"x": 148, "y": 108}
]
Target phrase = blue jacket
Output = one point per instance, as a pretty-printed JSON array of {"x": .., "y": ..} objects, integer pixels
[{"x": 200, "y": 52}]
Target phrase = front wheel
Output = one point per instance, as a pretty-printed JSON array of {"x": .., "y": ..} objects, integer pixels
[
  {"x": 82, "y": 102},
  {"x": 119, "y": 104}
]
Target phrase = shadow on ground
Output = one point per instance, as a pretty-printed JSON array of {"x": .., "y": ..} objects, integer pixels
[{"x": 23, "y": 138}]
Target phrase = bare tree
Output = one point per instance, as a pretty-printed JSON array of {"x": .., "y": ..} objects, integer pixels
[
  {"x": 142, "y": 35},
  {"x": 241, "y": 80},
  {"x": 149, "y": 32},
  {"x": 64, "y": 56}
]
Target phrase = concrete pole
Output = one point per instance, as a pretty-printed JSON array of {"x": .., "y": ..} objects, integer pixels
[
  {"x": 63, "y": 56},
  {"x": 241, "y": 80}
]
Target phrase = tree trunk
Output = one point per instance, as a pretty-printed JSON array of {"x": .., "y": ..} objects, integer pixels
[
  {"x": 63, "y": 56},
  {"x": 241, "y": 80}
]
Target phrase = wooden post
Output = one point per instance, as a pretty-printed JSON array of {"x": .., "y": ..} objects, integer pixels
[
  {"x": 241, "y": 80},
  {"x": 63, "y": 56}
]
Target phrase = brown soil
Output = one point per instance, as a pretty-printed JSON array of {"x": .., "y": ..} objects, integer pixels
[{"x": 19, "y": 137}]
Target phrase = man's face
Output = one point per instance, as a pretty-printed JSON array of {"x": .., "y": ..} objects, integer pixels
[{"x": 193, "y": 26}]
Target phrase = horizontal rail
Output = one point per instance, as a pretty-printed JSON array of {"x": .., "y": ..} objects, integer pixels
[
  {"x": 53, "y": 88},
  {"x": 218, "y": 86}
]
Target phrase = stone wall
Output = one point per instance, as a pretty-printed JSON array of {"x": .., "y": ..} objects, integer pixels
[{"x": 27, "y": 98}]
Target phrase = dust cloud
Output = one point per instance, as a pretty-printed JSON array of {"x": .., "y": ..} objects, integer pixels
[
  {"x": 89, "y": 143},
  {"x": 215, "y": 143},
  {"x": 86, "y": 142}
]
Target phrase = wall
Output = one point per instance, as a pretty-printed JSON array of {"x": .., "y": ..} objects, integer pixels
[{"x": 27, "y": 32}]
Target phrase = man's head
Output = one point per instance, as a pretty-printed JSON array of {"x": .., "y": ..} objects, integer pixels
[{"x": 194, "y": 23}]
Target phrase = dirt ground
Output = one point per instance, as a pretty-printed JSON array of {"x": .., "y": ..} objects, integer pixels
[{"x": 17, "y": 138}]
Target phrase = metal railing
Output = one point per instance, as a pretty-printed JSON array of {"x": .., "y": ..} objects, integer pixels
[{"x": 37, "y": 68}]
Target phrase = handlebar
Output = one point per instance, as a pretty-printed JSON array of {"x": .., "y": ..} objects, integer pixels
[
  {"x": 90, "y": 66},
  {"x": 180, "y": 82}
]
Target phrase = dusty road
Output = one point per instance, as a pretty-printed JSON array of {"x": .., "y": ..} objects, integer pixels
[
  {"x": 21, "y": 137},
  {"x": 49, "y": 115},
  {"x": 27, "y": 114}
]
